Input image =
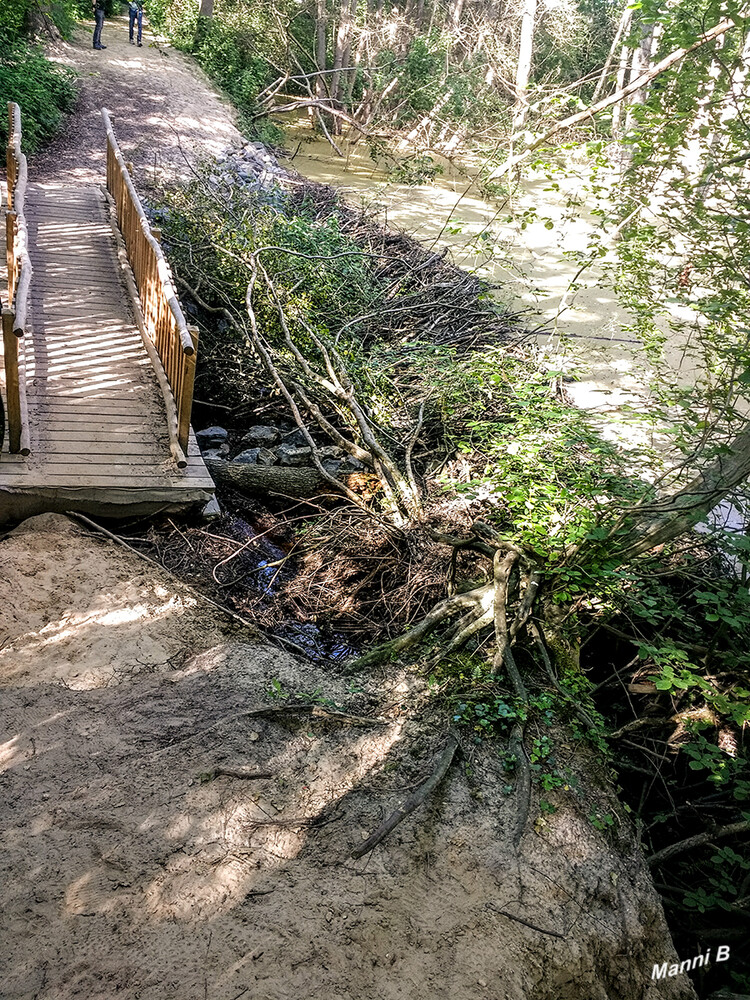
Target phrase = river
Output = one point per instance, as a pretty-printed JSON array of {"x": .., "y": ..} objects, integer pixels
[{"x": 526, "y": 252}]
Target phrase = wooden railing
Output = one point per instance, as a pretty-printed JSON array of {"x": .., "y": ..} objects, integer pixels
[
  {"x": 174, "y": 341},
  {"x": 20, "y": 271}
]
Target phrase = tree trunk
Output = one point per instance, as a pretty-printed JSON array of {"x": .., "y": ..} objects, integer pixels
[
  {"x": 206, "y": 8},
  {"x": 343, "y": 35},
  {"x": 622, "y": 30},
  {"x": 652, "y": 524},
  {"x": 523, "y": 69},
  {"x": 641, "y": 64},
  {"x": 321, "y": 24},
  {"x": 302, "y": 483}
]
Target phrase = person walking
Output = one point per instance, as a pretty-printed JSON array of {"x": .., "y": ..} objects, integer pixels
[
  {"x": 98, "y": 6},
  {"x": 136, "y": 14}
]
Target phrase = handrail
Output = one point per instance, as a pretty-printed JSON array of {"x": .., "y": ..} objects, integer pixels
[
  {"x": 163, "y": 318},
  {"x": 20, "y": 272}
]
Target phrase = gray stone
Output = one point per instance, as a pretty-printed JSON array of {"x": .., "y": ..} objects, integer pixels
[
  {"x": 289, "y": 454},
  {"x": 261, "y": 436},
  {"x": 331, "y": 451},
  {"x": 213, "y": 453},
  {"x": 211, "y": 437},
  {"x": 352, "y": 463},
  {"x": 248, "y": 457},
  {"x": 266, "y": 456},
  {"x": 296, "y": 438},
  {"x": 212, "y": 510},
  {"x": 331, "y": 465}
]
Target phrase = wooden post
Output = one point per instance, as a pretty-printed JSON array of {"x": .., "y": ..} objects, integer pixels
[
  {"x": 12, "y": 390},
  {"x": 10, "y": 241},
  {"x": 10, "y": 160},
  {"x": 185, "y": 402}
]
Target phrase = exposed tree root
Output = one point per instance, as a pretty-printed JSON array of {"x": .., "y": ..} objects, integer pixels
[
  {"x": 235, "y": 772},
  {"x": 442, "y": 763},
  {"x": 731, "y": 830},
  {"x": 526, "y": 923}
]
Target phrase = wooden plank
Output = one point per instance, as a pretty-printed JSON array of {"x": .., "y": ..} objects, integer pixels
[
  {"x": 54, "y": 408},
  {"x": 62, "y": 428}
]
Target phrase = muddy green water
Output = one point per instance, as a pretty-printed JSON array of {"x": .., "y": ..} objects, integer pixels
[{"x": 586, "y": 330}]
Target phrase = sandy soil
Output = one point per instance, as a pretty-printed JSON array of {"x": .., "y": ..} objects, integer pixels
[{"x": 127, "y": 871}]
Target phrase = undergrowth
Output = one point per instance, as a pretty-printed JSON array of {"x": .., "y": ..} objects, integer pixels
[{"x": 44, "y": 91}]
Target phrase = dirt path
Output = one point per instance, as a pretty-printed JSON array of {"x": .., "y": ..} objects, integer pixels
[{"x": 165, "y": 109}]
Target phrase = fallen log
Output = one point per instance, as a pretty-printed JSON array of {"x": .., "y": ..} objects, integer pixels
[{"x": 299, "y": 482}]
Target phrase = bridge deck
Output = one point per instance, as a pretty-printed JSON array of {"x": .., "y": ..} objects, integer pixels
[{"x": 98, "y": 428}]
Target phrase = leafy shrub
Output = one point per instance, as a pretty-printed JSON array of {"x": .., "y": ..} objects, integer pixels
[
  {"x": 44, "y": 91},
  {"x": 233, "y": 47},
  {"x": 17, "y": 18}
]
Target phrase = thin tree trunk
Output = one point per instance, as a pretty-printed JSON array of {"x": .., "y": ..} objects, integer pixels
[
  {"x": 321, "y": 23},
  {"x": 622, "y": 70},
  {"x": 622, "y": 30},
  {"x": 206, "y": 8},
  {"x": 343, "y": 35},
  {"x": 613, "y": 99},
  {"x": 523, "y": 68}
]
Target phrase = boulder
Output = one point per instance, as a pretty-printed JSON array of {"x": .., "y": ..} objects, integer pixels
[
  {"x": 290, "y": 454},
  {"x": 255, "y": 456},
  {"x": 261, "y": 436},
  {"x": 247, "y": 457},
  {"x": 211, "y": 437}
]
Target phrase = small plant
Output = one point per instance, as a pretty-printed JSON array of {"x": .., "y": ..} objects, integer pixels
[
  {"x": 277, "y": 690},
  {"x": 601, "y": 821}
]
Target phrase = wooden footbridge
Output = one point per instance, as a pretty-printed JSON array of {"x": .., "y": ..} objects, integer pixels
[{"x": 99, "y": 361}]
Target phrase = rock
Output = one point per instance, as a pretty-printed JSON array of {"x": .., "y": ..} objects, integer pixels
[
  {"x": 331, "y": 451},
  {"x": 212, "y": 510},
  {"x": 289, "y": 454},
  {"x": 331, "y": 465},
  {"x": 266, "y": 456},
  {"x": 220, "y": 453},
  {"x": 295, "y": 437},
  {"x": 261, "y": 436},
  {"x": 211, "y": 437},
  {"x": 247, "y": 457},
  {"x": 352, "y": 463}
]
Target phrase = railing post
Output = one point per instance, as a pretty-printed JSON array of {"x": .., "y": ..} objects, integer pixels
[
  {"x": 12, "y": 390},
  {"x": 185, "y": 402},
  {"x": 10, "y": 161}
]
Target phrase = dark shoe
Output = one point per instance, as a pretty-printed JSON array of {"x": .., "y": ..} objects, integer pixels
[
  {"x": 140, "y": 45},
  {"x": 132, "y": 42},
  {"x": 100, "y": 46}
]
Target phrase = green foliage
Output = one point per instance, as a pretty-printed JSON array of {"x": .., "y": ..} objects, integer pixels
[
  {"x": 541, "y": 465},
  {"x": 13, "y": 18},
  {"x": 22, "y": 16},
  {"x": 44, "y": 91},
  {"x": 235, "y": 47}
]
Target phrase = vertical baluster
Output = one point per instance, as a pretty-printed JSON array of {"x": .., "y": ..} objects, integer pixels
[
  {"x": 185, "y": 402},
  {"x": 10, "y": 241},
  {"x": 12, "y": 388}
]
